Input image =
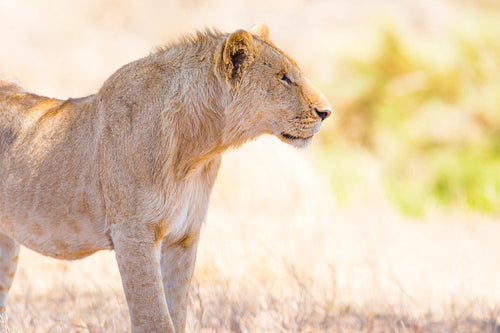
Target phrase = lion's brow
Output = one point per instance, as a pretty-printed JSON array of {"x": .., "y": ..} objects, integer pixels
[{"x": 280, "y": 51}]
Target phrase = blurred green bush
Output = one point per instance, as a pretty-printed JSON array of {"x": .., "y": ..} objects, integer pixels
[{"x": 428, "y": 112}]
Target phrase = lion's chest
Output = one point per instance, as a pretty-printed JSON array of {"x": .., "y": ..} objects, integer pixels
[
  {"x": 178, "y": 222},
  {"x": 186, "y": 208}
]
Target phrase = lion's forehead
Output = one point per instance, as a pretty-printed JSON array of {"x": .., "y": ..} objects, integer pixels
[{"x": 281, "y": 56}]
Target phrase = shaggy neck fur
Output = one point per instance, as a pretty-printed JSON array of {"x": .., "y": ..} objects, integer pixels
[{"x": 202, "y": 104}]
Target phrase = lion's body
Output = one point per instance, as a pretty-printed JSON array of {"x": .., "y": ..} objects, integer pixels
[
  {"x": 131, "y": 168},
  {"x": 50, "y": 199}
]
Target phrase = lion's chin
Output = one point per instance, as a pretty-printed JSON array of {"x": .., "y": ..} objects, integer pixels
[{"x": 296, "y": 141}]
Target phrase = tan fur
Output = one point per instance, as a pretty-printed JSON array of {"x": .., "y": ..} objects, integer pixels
[{"x": 131, "y": 168}]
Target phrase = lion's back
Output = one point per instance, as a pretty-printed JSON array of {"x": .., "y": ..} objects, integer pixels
[
  {"x": 17, "y": 107},
  {"x": 10, "y": 122}
]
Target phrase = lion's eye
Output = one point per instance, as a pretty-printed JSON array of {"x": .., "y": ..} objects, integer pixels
[{"x": 285, "y": 78}]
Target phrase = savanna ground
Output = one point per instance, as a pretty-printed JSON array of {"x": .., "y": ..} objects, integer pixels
[{"x": 388, "y": 223}]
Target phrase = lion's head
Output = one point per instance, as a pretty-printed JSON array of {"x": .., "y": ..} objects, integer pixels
[{"x": 270, "y": 89}]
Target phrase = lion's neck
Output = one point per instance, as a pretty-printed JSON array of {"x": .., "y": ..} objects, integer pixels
[
  {"x": 225, "y": 125},
  {"x": 207, "y": 119},
  {"x": 194, "y": 122},
  {"x": 184, "y": 112}
]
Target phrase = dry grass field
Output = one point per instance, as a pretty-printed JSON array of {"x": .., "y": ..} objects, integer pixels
[
  {"x": 276, "y": 256},
  {"x": 282, "y": 249}
]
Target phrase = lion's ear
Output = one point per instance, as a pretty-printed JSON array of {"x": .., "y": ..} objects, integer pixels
[
  {"x": 260, "y": 30},
  {"x": 238, "y": 54}
]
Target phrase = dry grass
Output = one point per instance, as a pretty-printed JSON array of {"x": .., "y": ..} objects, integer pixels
[
  {"x": 274, "y": 258},
  {"x": 277, "y": 254}
]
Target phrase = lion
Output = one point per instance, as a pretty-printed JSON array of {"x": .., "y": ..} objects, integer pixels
[{"x": 131, "y": 168}]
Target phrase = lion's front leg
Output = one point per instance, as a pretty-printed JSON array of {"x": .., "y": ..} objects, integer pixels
[
  {"x": 139, "y": 264},
  {"x": 177, "y": 265},
  {"x": 9, "y": 254}
]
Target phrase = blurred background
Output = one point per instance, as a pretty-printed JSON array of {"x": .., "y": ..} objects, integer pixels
[{"x": 388, "y": 222}]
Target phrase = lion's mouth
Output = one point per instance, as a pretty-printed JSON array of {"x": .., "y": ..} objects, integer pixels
[{"x": 293, "y": 137}]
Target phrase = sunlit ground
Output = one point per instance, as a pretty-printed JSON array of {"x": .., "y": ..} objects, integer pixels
[{"x": 276, "y": 255}]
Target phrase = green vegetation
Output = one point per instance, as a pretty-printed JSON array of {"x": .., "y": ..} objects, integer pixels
[{"x": 427, "y": 109}]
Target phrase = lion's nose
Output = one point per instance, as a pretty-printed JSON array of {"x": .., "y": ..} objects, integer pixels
[{"x": 323, "y": 114}]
